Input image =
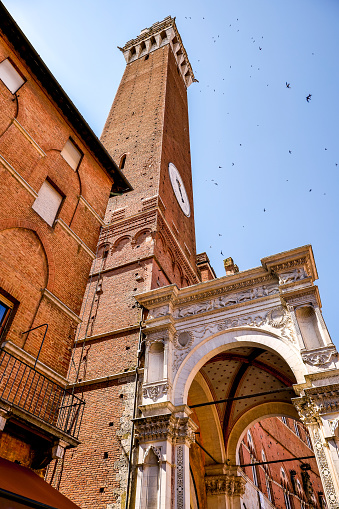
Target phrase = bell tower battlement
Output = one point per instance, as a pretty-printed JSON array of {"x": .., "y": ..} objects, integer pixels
[{"x": 158, "y": 35}]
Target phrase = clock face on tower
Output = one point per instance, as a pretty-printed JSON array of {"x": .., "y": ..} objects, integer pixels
[{"x": 179, "y": 189}]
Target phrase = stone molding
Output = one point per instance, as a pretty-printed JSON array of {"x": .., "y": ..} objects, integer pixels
[
  {"x": 74, "y": 236},
  {"x": 91, "y": 209},
  {"x": 179, "y": 430},
  {"x": 49, "y": 295},
  {"x": 319, "y": 356},
  {"x": 28, "y": 137},
  {"x": 18, "y": 177},
  {"x": 231, "y": 485},
  {"x": 24, "y": 356}
]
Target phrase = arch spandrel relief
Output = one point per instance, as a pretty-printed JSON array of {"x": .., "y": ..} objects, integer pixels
[{"x": 250, "y": 343}]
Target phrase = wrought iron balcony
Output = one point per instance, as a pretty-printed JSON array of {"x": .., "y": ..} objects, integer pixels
[{"x": 24, "y": 388}]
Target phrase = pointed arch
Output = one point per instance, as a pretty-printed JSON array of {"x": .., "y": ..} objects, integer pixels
[{"x": 7, "y": 224}]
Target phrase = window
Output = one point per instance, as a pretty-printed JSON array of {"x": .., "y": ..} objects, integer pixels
[
  {"x": 287, "y": 500},
  {"x": 71, "y": 154},
  {"x": 6, "y": 307},
  {"x": 10, "y": 76},
  {"x": 48, "y": 202},
  {"x": 122, "y": 162},
  {"x": 296, "y": 427}
]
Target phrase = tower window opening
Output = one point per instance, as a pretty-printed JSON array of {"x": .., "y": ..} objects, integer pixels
[
  {"x": 142, "y": 47},
  {"x": 122, "y": 162},
  {"x": 163, "y": 36},
  {"x": 153, "y": 41}
]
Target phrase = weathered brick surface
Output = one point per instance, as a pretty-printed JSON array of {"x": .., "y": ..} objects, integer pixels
[{"x": 149, "y": 243}]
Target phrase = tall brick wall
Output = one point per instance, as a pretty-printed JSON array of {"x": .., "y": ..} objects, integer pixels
[
  {"x": 148, "y": 243},
  {"x": 279, "y": 441}
]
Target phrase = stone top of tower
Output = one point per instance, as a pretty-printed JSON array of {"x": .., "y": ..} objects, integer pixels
[{"x": 158, "y": 35}]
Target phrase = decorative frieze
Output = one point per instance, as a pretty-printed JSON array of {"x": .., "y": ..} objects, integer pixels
[
  {"x": 292, "y": 276},
  {"x": 320, "y": 356},
  {"x": 225, "y": 484},
  {"x": 226, "y": 300}
]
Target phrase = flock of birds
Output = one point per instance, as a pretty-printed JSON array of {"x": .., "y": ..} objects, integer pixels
[{"x": 288, "y": 85}]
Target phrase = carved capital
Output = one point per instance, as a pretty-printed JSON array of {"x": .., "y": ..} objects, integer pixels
[
  {"x": 165, "y": 427},
  {"x": 231, "y": 485},
  {"x": 307, "y": 409}
]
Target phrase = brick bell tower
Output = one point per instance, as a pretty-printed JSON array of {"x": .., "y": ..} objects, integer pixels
[{"x": 148, "y": 241}]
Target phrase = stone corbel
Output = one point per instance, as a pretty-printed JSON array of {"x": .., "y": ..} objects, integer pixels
[
  {"x": 58, "y": 450},
  {"x": 4, "y": 415}
]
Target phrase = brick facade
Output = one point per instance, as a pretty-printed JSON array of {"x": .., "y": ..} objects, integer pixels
[{"x": 43, "y": 267}]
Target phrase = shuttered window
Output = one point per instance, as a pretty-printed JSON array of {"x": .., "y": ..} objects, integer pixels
[
  {"x": 71, "y": 154},
  {"x": 47, "y": 203},
  {"x": 10, "y": 76}
]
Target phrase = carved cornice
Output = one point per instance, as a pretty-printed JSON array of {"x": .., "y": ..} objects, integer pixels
[
  {"x": 317, "y": 401},
  {"x": 225, "y": 484},
  {"x": 301, "y": 257},
  {"x": 157, "y": 298},
  {"x": 165, "y": 427}
]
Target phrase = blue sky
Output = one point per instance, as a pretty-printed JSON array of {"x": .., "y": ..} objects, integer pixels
[{"x": 242, "y": 116}]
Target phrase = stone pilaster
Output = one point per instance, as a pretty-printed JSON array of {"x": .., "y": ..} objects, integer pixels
[{"x": 319, "y": 410}]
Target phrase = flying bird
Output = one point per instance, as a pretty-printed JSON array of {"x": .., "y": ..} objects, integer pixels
[
  {"x": 260, "y": 48},
  {"x": 264, "y": 210},
  {"x": 310, "y": 190},
  {"x": 222, "y": 253},
  {"x": 308, "y": 98},
  {"x": 288, "y": 85},
  {"x": 290, "y": 151},
  {"x": 220, "y": 235}
]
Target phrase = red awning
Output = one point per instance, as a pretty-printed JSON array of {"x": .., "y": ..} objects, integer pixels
[{"x": 20, "y": 481}]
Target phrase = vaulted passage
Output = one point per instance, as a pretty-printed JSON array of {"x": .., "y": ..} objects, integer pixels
[{"x": 250, "y": 386}]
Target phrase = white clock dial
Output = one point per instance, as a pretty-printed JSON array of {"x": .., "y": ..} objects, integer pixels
[{"x": 179, "y": 189}]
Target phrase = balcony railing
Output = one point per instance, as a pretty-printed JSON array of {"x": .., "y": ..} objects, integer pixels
[{"x": 25, "y": 388}]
